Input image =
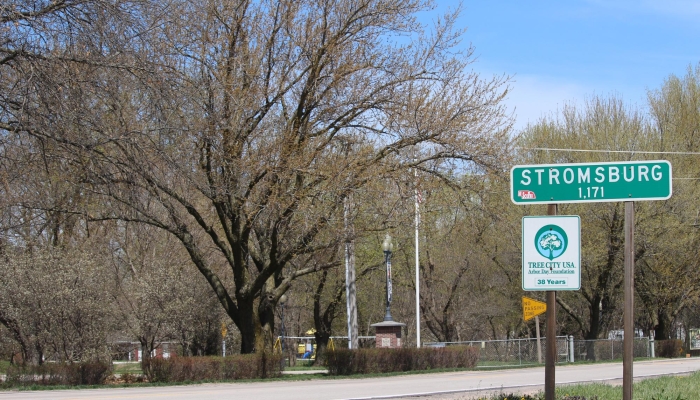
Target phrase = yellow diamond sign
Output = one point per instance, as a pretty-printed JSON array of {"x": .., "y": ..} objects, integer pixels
[{"x": 532, "y": 308}]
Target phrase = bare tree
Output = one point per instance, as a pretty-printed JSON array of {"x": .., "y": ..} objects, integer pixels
[{"x": 222, "y": 123}]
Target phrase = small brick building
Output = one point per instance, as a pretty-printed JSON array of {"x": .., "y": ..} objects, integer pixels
[{"x": 388, "y": 334}]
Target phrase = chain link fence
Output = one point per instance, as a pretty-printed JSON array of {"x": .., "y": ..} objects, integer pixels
[
  {"x": 609, "y": 349},
  {"x": 514, "y": 352},
  {"x": 303, "y": 348},
  {"x": 495, "y": 353}
]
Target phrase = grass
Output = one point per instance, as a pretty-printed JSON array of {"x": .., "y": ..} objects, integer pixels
[
  {"x": 663, "y": 388},
  {"x": 304, "y": 365},
  {"x": 127, "y": 368},
  {"x": 4, "y": 364}
]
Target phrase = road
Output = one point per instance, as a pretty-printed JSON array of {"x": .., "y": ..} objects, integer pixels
[{"x": 439, "y": 385}]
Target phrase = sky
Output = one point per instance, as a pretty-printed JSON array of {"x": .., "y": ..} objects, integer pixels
[{"x": 566, "y": 51}]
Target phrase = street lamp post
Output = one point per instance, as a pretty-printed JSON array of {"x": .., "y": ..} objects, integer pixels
[
  {"x": 282, "y": 301},
  {"x": 388, "y": 247},
  {"x": 388, "y": 332}
]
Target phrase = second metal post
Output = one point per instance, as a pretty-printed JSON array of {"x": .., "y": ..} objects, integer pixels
[
  {"x": 551, "y": 352},
  {"x": 628, "y": 316}
]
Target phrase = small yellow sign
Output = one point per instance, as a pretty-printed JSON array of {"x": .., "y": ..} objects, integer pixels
[
  {"x": 532, "y": 308},
  {"x": 224, "y": 331}
]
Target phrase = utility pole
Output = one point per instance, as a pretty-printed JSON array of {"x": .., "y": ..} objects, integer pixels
[
  {"x": 417, "y": 223},
  {"x": 350, "y": 289}
]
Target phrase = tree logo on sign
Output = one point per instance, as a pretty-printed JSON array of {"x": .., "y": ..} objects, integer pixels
[{"x": 551, "y": 241}]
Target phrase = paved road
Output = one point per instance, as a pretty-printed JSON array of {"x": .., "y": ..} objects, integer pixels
[{"x": 443, "y": 385}]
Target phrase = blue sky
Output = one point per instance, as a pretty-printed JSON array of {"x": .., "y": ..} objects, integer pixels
[{"x": 562, "y": 52}]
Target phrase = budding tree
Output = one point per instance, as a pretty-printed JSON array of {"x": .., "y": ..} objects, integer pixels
[{"x": 227, "y": 124}]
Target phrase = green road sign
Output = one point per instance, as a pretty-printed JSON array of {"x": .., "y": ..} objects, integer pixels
[{"x": 590, "y": 182}]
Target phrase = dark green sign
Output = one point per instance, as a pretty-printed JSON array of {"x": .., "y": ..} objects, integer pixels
[{"x": 591, "y": 182}]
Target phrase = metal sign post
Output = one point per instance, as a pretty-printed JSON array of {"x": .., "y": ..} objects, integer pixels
[
  {"x": 539, "y": 343},
  {"x": 585, "y": 183},
  {"x": 628, "y": 316},
  {"x": 551, "y": 334},
  {"x": 551, "y": 261}
]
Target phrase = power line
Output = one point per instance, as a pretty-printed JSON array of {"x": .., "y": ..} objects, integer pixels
[{"x": 692, "y": 153}]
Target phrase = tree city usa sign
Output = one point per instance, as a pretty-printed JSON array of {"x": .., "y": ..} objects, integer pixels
[
  {"x": 591, "y": 182},
  {"x": 552, "y": 253}
]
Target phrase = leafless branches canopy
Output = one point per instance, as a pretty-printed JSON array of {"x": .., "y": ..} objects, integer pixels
[{"x": 239, "y": 126}]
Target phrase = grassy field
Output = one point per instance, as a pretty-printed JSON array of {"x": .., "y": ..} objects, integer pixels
[
  {"x": 304, "y": 365},
  {"x": 664, "y": 388},
  {"x": 127, "y": 368}
]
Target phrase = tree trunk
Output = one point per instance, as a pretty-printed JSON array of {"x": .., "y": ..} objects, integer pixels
[
  {"x": 39, "y": 356},
  {"x": 24, "y": 344},
  {"x": 146, "y": 348},
  {"x": 247, "y": 326},
  {"x": 256, "y": 324},
  {"x": 662, "y": 331},
  {"x": 265, "y": 323},
  {"x": 594, "y": 328},
  {"x": 321, "y": 346}
]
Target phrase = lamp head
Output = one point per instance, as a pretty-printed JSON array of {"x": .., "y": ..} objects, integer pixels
[{"x": 387, "y": 245}]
